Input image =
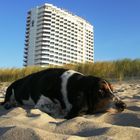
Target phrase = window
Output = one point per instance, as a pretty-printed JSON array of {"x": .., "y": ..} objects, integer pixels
[{"x": 32, "y": 23}]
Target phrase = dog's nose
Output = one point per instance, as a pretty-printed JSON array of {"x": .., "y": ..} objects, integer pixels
[{"x": 120, "y": 105}]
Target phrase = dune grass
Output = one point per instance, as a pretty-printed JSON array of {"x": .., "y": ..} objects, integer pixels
[{"x": 111, "y": 70}]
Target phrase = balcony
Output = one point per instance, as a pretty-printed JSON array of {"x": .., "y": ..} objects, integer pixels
[
  {"x": 27, "y": 28},
  {"x": 25, "y": 52},
  {"x": 26, "y": 44},
  {"x": 27, "y": 36},
  {"x": 25, "y": 64},
  {"x": 46, "y": 20},
  {"x": 43, "y": 43},
  {"x": 26, "y": 48},
  {"x": 28, "y": 20},
  {"x": 27, "y": 32},
  {"x": 44, "y": 29},
  {"x": 27, "y": 40},
  {"x": 41, "y": 47},
  {"x": 43, "y": 16},
  {"x": 25, "y": 56},
  {"x": 25, "y": 60},
  {"x": 29, "y": 13},
  {"x": 42, "y": 57}
]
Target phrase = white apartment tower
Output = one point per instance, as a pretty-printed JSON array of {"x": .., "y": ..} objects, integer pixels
[{"x": 56, "y": 36}]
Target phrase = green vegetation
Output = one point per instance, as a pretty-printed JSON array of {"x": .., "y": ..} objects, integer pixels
[{"x": 118, "y": 70}]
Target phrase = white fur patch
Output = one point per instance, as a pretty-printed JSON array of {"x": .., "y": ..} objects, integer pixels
[
  {"x": 25, "y": 102},
  {"x": 29, "y": 102},
  {"x": 47, "y": 105},
  {"x": 12, "y": 98},
  {"x": 65, "y": 77}
]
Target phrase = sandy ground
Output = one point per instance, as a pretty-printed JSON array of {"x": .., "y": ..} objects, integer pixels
[{"x": 16, "y": 125}]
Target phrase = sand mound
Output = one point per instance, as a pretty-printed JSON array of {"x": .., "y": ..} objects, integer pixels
[{"x": 17, "y": 124}]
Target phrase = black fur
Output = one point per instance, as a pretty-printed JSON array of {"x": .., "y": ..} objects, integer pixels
[{"x": 83, "y": 91}]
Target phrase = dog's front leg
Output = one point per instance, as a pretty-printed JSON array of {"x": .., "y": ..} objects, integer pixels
[{"x": 73, "y": 113}]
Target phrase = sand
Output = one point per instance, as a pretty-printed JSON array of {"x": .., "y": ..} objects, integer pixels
[{"x": 15, "y": 124}]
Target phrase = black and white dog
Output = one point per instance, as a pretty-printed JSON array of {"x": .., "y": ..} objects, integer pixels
[{"x": 65, "y": 91}]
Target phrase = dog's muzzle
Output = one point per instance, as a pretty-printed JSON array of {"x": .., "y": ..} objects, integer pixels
[{"x": 120, "y": 105}]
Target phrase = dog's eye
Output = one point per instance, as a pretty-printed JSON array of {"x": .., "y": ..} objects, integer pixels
[{"x": 101, "y": 92}]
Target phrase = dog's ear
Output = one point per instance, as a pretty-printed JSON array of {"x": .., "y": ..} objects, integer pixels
[{"x": 105, "y": 85}]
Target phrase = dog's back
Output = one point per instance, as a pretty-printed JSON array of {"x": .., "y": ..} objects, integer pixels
[{"x": 32, "y": 86}]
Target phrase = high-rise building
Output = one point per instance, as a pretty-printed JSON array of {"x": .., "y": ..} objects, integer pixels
[{"x": 56, "y": 36}]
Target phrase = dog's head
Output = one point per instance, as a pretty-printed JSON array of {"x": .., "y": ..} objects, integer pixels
[{"x": 100, "y": 96}]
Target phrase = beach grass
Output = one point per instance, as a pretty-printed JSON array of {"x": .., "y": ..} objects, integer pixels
[{"x": 119, "y": 70}]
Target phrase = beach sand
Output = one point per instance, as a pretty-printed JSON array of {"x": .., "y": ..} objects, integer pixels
[{"x": 15, "y": 124}]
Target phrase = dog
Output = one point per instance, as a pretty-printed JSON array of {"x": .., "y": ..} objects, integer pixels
[{"x": 70, "y": 92}]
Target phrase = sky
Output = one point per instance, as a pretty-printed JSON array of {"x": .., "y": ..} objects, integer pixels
[{"x": 116, "y": 27}]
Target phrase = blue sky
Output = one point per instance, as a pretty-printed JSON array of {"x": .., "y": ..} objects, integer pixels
[{"x": 116, "y": 27}]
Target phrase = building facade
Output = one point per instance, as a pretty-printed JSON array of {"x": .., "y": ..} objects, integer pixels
[{"x": 56, "y": 36}]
